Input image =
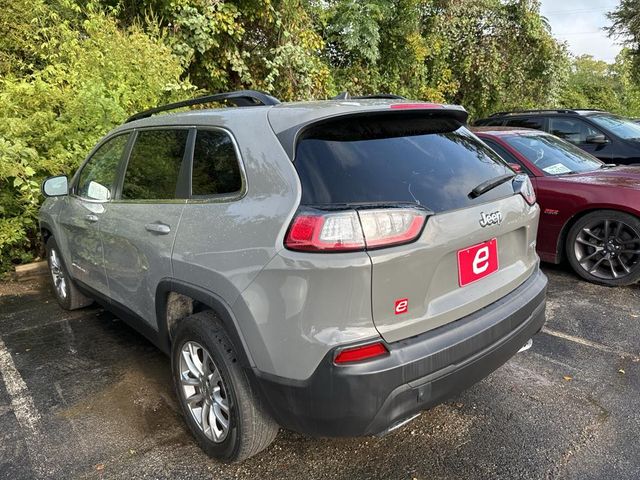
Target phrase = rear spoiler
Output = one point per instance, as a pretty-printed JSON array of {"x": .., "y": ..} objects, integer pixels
[{"x": 289, "y": 137}]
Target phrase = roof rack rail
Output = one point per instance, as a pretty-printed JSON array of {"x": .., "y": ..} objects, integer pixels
[
  {"x": 573, "y": 111},
  {"x": 239, "y": 98},
  {"x": 346, "y": 96}
]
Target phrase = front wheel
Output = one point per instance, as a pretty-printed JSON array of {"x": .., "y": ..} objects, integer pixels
[
  {"x": 65, "y": 290},
  {"x": 604, "y": 247},
  {"x": 220, "y": 406}
]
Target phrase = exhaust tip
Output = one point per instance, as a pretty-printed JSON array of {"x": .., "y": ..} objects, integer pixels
[
  {"x": 526, "y": 346},
  {"x": 397, "y": 425}
]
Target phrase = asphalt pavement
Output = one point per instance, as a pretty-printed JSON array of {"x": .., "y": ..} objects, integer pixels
[{"x": 84, "y": 396}]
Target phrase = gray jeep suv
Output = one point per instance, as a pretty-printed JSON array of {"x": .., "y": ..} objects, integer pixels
[{"x": 330, "y": 267}]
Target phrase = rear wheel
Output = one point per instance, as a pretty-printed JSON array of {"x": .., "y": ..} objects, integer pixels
[
  {"x": 222, "y": 410},
  {"x": 66, "y": 292},
  {"x": 604, "y": 247}
]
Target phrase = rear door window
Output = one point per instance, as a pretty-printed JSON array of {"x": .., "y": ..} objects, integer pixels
[
  {"x": 572, "y": 130},
  {"x": 432, "y": 162},
  {"x": 506, "y": 155},
  {"x": 536, "y": 123},
  {"x": 216, "y": 170},
  {"x": 154, "y": 165}
]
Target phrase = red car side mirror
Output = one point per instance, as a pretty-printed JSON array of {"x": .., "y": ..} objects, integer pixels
[{"x": 516, "y": 167}]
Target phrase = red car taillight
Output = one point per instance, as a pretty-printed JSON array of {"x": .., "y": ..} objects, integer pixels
[
  {"x": 363, "y": 352},
  {"x": 353, "y": 230}
]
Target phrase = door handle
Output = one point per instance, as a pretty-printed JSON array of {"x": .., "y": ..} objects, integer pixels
[
  {"x": 91, "y": 218},
  {"x": 160, "y": 228}
]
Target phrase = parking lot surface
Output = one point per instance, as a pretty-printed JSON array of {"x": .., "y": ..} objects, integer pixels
[{"x": 84, "y": 396}]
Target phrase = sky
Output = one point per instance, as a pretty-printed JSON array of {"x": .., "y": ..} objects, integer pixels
[{"x": 579, "y": 23}]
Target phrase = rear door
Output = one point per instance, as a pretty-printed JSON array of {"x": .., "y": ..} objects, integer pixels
[
  {"x": 472, "y": 251},
  {"x": 139, "y": 227},
  {"x": 84, "y": 210}
]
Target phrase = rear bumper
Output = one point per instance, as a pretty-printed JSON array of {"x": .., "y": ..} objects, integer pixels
[{"x": 372, "y": 396}]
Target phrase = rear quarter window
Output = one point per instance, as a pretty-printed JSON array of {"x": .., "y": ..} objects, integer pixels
[
  {"x": 429, "y": 161},
  {"x": 534, "y": 123},
  {"x": 216, "y": 168}
]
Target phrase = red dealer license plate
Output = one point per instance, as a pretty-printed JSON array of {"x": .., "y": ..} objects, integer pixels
[{"x": 477, "y": 262}]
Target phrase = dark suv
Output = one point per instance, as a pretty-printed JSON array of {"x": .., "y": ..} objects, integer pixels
[{"x": 611, "y": 138}]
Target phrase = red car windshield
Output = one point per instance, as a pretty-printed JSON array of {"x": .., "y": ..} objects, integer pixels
[{"x": 553, "y": 155}]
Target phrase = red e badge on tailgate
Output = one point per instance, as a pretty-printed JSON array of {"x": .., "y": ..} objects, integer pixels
[{"x": 477, "y": 262}]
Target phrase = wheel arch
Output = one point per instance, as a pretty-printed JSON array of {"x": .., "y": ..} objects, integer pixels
[
  {"x": 562, "y": 237},
  {"x": 46, "y": 232},
  {"x": 208, "y": 299}
]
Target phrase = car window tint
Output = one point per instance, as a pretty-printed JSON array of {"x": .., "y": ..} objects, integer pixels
[
  {"x": 215, "y": 165},
  {"x": 620, "y": 126},
  {"x": 433, "y": 162},
  {"x": 98, "y": 176},
  {"x": 506, "y": 155},
  {"x": 553, "y": 155},
  {"x": 572, "y": 130},
  {"x": 154, "y": 165},
  {"x": 535, "y": 123},
  {"x": 492, "y": 123}
]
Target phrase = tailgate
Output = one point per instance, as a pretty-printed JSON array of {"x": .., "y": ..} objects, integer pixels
[{"x": 416, "y": 287}]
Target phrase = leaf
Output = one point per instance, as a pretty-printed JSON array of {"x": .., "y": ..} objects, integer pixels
[{"x": 568, "y": 378}]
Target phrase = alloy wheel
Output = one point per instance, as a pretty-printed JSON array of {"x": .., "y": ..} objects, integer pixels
[
  {"x": 204, "y": 391},
  {"x": 608, "y": 249},
  {"x": 57, "y": 274}
]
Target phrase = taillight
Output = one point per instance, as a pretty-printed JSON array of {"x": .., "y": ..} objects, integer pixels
[
  {"x": 363, "y": 352},
  {"x": 523, "y": 185},
  {"x": 414, "y": 106},
  {"x": 353, "y": 230},
  {"x": 330, "y": 231},
  {"x": 391, "y": 226}
]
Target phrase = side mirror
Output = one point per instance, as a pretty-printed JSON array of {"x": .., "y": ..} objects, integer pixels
[
  {"x": 55, "y": 186},
  {"x": 516, "y": 167},
  {"x": 597, "y": 139}
]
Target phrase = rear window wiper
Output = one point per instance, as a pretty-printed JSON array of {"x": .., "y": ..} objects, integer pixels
[{"x": 490, "y": 184}]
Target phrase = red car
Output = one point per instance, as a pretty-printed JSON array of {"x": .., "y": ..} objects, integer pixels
[{"x": 590, "y": 211}]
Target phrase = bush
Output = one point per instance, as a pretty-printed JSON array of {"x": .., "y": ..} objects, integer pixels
[{"x": 73, "y": 84}]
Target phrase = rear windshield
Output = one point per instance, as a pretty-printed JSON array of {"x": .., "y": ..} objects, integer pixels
[{"x": 432, "y": 162}]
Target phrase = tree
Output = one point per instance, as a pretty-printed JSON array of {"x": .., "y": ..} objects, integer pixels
[
  {"x": 60, "y": 94},
  {"x": 626, "y": 27}
]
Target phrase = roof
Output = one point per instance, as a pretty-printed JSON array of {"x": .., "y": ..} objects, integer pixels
[
  {"x": 287, "y": 119},
  {"x": 548, "y": 111}
]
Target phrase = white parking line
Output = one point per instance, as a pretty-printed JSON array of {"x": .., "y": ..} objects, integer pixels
[
  {"x": 21, "y": 401},
  {"x": 26, "y": 414},
  {"x": 591, "y": 344}
]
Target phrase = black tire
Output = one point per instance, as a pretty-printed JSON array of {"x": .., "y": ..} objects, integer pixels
[
  {"x": 72, "y": 298},
  {"x": 610, "y": 238},
  {"x": 250, "y": 428}
]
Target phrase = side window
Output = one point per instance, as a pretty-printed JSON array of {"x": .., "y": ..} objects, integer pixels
[
  {"x": 215, "y": 165},
  {"x": 572, "y": 130},
  {"x": 536, "y": 123},
  {"x": 98, "y": 176},
  {"x": 506, "y": 156},
  {"x": 493, "y": 123},
  {"x": 154, "y": 165}
]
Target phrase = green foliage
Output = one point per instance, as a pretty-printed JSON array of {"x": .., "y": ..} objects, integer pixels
[
  {"x": 70, "y": 70},
  {"x": 625, "y": 26},
  {"x": 60, "y": 94},
  {"x": 256, "y": 44},
  {"x": 594, "y": 83}
]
